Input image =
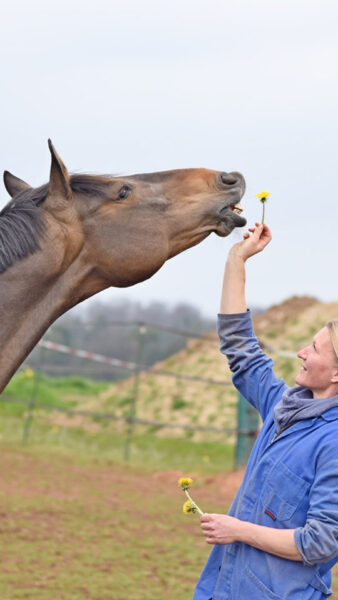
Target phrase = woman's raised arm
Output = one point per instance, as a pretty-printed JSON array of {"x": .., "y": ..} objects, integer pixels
[{"x": 233, "y": 292}]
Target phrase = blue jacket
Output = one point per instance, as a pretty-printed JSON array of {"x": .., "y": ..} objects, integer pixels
[{"x": 290, "y": 483}]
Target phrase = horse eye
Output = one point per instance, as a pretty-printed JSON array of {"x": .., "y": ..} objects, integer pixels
[{"x": 124, "y": 192}]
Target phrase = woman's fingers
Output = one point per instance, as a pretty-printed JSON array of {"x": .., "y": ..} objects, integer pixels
[
  {"x": 205, "y": 517},
  {"x": 206, "y": 527},
  {"x": 208, "y": 532}
]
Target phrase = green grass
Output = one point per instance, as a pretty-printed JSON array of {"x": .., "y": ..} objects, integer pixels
[
  {"x": 47, "y": 390},
  {"x": 272, "y": 333},
  {"x": 149, "y": 446},
  {"x": 146, "y": 449},
  {"x": 178, "y": 403}
]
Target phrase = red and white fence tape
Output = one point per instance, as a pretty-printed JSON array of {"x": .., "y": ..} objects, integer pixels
[
  {"x": 130, "y": 366},
  {"x": 115, "y": 362}
]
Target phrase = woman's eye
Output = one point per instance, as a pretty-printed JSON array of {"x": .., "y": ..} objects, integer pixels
[{"x": 124, "y": 192}]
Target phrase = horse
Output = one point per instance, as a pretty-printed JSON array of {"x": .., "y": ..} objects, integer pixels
[{"x": 78, "y": 234}]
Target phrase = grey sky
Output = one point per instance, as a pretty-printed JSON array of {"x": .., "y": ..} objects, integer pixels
[{"x": 126, "y": 87}]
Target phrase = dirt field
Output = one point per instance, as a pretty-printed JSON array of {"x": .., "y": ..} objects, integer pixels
[
  {"x": 82, "y": 529},
  {"x": 72, "y": 529}
]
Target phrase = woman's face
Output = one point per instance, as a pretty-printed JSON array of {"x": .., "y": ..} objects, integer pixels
[{"x": 319, "y": 370}]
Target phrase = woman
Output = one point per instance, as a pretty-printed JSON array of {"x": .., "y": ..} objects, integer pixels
[{"x": 280, "y": 537}]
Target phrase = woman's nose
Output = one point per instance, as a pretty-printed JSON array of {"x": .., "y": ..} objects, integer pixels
[{"x": 302, "y": 353}]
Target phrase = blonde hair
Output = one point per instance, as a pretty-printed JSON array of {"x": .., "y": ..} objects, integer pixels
[{"x": 333, "y": 331}]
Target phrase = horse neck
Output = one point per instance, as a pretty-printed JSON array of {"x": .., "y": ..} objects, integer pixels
[{"x": 27, "y": 309}]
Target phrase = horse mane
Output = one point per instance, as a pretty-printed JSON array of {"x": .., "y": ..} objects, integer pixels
[{"x": 22, "y": 223}]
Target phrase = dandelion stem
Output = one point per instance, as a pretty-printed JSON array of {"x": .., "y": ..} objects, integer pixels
[
  {"x": 263, "y": 213},
  {"x": 193, "y": 502}
]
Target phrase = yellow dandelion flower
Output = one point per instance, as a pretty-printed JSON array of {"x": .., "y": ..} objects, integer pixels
[
  {"x": 184, "y": 483},
  {"x": 263, "y": 195},
  {"x": 27, "y": 373},
  {"x": 189, "y": 507}
]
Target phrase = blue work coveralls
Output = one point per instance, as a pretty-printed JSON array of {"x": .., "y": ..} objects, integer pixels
[{"x": 291, "y": 482}]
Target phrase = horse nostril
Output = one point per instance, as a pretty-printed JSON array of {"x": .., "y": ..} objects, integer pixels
[{"x": 228, "y": 179}]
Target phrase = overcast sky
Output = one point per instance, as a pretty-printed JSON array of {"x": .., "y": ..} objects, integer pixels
[{"x": 128, "y": 86}]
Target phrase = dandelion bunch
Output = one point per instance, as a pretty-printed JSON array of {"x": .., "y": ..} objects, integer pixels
[
  {"x": 190, "y": 505},
  {"x": 263, "y": 196}
]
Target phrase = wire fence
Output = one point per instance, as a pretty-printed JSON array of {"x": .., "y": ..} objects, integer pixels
[{"x": 245, "y": 430}]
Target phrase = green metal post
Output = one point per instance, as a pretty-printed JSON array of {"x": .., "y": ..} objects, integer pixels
[
  {"x": 247, "y": 425},
  {"x": 142, "y": 330}
]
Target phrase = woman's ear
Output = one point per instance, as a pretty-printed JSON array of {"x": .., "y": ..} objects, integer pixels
[{"x": 335, "y": 376}]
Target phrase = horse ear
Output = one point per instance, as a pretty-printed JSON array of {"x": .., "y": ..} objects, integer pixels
[
  {"x": 59, "y": 180},
  {"x": 14, "y": 185}
]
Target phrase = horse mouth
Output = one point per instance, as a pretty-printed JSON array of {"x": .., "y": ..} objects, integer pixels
[
  {"x": 235, "y": 211},
  {"x": 230, "y": 217}
]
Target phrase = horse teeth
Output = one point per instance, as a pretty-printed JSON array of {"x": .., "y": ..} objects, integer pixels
[{"x": 238, "y": 208}]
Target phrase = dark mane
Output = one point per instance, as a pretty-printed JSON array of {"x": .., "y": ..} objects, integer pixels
[
  {"x": 21, "y": 228},
  {"x": 22, "y": 224},
  {"x": 90, "y": 185}
]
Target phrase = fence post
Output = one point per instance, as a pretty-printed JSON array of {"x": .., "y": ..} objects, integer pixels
[
  {"x": 142, "y": 330},
  {"x": 247, "y": 425},
  {"x": 32, "y": 402}
]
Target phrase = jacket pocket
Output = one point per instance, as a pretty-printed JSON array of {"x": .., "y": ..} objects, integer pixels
[
  {"x": 283, "y": 492},
  {"x": 252, "y": 588}
]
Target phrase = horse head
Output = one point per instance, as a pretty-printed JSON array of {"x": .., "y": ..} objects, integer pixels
[{"x": 123, "y": 229}]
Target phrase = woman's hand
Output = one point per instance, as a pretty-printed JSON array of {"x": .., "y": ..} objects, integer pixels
[
  {"x": 220, "y": 529},
  {"x": 252, "y": 244}
]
